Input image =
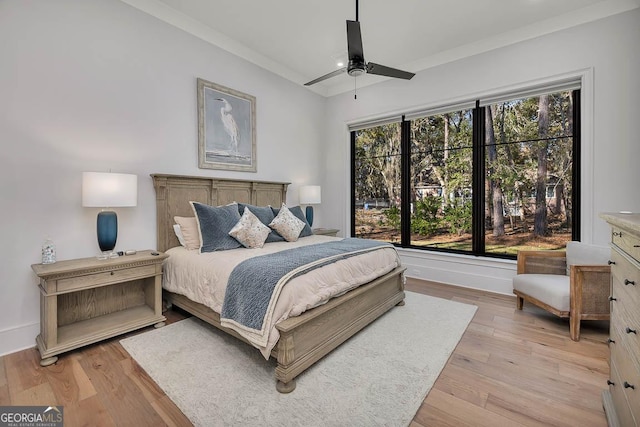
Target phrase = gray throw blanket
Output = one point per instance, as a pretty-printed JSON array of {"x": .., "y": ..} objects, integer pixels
[{"x": 252, "y": 283}]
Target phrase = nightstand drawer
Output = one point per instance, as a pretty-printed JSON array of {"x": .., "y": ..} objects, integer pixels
[{"x": 104, "y": 278}]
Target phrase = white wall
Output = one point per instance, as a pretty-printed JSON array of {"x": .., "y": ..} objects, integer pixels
[
  {"x": 605, "y": 53},
  {"x": 98, "y": 85}
]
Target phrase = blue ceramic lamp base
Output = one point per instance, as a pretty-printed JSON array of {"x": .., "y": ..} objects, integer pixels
[
  {"x": 107, "y": 227},
  {"x": 309, "y": 215}
]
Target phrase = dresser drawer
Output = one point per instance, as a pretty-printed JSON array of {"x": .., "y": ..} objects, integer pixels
[
  {"x": 620, "y": 403},
  {"x": 105, "y": 278},
  {"x": 628, "y": 381},
  {"x": 626, "y": 345},
  {"x": 626, "y": 241}
]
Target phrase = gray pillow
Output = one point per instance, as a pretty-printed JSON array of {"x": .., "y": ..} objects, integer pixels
[
  {"x": 297, "y": 212},
  {"x": 265, "y": 215},
  {"x": 215, "y": 223}
]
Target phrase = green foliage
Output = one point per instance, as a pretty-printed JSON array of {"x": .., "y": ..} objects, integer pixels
[
  {"x": 457, "y": 216},
  {"x": 392, "y": 217},
  {"x": 425, "y": 219}
]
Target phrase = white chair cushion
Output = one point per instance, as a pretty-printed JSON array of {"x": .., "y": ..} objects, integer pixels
[
  {"x": 551, "y": 289},
  {"x": 579, "y": 253}
]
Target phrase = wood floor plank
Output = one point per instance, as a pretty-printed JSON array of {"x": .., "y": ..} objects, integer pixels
[
  {"x": 41, "y": 395},
  {"x": 120, "y": 396},
  {"x": 88, "y": 412},
  {"x": 466, "y": 414}
]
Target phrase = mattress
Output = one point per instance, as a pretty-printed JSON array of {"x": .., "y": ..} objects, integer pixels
[{"x": 203, "y": 277}]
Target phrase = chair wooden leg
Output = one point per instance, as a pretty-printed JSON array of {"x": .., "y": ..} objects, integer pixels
[
  {"x": 574, "y": 327},
  {"x": 519, "y": 302}
]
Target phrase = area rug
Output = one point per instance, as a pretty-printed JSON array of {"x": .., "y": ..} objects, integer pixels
[{"x": 377, "y": 378}]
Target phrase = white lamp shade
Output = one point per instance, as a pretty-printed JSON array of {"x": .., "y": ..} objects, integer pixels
[
  {"x": 310, "y": 195},
  {"x": 109, "y": 190}
]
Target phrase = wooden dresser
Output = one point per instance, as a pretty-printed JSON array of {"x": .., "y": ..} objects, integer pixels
[{"x": 622, "y": 400}]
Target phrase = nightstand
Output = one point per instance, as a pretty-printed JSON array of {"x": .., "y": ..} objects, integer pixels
[
  {"x": 86, "y": 300},
  {"x": 325, "y": 231}
]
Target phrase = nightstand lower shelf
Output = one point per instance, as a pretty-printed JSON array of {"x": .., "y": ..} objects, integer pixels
[{"x": 99, "y": 328}]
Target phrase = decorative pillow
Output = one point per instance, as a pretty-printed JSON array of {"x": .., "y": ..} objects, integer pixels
[
  {"x": 297, "y": 212},
  {"x": 215, "y": 223},
  {"x": 265, "y": 215},
  {"x": 250, "y": 231},
  {"x": 189, "y": 230},
  {"x": 176, "y": 229},
  {"x": 287, "y": 224}
]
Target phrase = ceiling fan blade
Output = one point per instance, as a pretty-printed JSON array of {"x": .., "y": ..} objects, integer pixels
[
  {"x": 354, "y": 40},
  {"x": 327, "y": 76},
  {"x": 383, "y": 70}
]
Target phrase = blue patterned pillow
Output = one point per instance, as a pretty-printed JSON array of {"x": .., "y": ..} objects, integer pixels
[
  {"x": 215, "y": 223},
  {"x": 297, "y": 212},
  {"x": 265, "y": 215}
]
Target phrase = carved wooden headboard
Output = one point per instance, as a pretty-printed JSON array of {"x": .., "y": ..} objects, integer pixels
[{"x": 174, "y": 192}]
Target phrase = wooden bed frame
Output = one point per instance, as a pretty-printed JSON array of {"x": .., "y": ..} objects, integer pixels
[{"x": 304, "y": 339}]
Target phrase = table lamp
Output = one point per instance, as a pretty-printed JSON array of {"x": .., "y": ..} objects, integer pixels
[
  {"x": 310, "y": 195},
  {"x": 108, "y": 190}
]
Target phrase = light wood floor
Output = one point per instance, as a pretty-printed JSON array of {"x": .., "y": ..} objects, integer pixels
[{"x": 510, "y": 368}]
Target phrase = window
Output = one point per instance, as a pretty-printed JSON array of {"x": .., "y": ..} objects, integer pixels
[
  {"x": 488, "y": 180},
  {"x": 377, "y": 183}
]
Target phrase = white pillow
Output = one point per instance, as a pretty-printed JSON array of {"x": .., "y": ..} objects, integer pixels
[
  {"x": 287, "y": 225},
  {"x": 250, "y": 231},
  {"x": 189, "y": 230},
  {"x": 178, "y": 231}
]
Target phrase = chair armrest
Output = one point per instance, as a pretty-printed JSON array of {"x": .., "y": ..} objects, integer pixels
[
  {"x": 542, "y": 262},
  {"x": 590, "y": 288}
]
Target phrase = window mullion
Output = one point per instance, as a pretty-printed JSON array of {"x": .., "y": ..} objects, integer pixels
[
  {"x": 405, "y": 182},
  {"x": 478, "y": 180}
]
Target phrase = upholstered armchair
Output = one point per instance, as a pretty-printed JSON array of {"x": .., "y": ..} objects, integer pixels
[{"x": 573, "y": 284}]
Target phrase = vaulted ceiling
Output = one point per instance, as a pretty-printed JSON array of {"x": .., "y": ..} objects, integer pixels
[{"x": 304, "y": 39}]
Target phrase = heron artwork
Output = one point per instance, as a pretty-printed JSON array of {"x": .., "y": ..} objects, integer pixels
[{"x": 230, "y": 125}]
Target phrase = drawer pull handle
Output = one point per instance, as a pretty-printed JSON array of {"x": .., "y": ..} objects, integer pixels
[
  {"x": 636, "y": 246},
  {"x": 631, "y": 331},
  {"x": 112, "y": 273},
  {"x": 618, "y": 234},
  {"x": 611, "y": 262},
  {"x": 613, "y": 299},
  {"x": 609, "y": 382},
  {"x": 629, "y": 282},
  {"x": 627, "y": 385},
  {"x": 610, "y": 341}
]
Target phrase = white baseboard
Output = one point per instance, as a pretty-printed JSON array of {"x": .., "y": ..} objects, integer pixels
[
  {"x": 488, "y": 274},
  {"x": 18, "y": 338}
]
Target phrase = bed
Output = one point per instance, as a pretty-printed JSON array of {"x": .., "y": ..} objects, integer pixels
[{"x": 303, "y": 339}]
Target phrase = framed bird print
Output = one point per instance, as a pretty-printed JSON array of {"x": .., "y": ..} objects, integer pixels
[{"x": 226, "y": 128}]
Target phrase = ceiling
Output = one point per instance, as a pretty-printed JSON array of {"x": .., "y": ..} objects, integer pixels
[{"x": 303, "y": 39}]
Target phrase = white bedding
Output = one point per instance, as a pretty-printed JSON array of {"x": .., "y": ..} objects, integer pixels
[{"x": 203, "y": 277}]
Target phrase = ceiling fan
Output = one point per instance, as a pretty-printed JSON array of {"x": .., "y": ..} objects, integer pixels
[{"x": 357, "y": 65}]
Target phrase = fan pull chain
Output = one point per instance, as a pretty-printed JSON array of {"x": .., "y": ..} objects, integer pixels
[{"x": 355, "y": 88}]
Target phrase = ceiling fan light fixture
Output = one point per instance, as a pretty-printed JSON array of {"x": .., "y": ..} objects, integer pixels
[{"x": 357, "y": 66}]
